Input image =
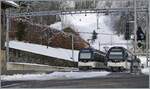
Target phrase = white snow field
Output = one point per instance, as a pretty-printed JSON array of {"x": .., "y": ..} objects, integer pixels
[
  {"x": 61, "y": 53},
  {"x": 88, "y": 23},
  {"x": 54, "y": 75}
]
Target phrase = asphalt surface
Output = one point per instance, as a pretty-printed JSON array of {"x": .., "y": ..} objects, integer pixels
[{"x": 113, "y": 80}]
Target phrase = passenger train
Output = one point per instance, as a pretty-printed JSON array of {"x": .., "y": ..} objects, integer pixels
[
  {"x": 119, "y": 59},
  {"x": 90, "y": 58}
]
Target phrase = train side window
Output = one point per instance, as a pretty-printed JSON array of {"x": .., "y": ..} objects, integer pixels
[{"x": 95, "y": 56}]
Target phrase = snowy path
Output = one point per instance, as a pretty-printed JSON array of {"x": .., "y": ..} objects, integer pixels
[
  {"x": 54, "y": 76},
  {"x": 115, "y": 80}
]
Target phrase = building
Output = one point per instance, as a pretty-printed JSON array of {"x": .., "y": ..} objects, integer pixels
[{"x": 4, "y": 6}]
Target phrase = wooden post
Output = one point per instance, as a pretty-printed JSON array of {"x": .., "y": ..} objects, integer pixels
[
  {"x": 7, "y": 36},
  {"x": 3, "y": 36}
]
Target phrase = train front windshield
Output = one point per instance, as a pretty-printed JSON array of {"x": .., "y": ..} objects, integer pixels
[
  {"x": 116, "y": 54},
  {"x": 85, "y": 55}
]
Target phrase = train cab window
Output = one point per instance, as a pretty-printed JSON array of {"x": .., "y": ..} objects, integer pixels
[
  {"x": 116, "y": 54},
  {"x": 85, "y": 55},
  {"x": 116, "y": 50}
]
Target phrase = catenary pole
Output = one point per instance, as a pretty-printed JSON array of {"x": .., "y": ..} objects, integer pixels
[
  {"x": 72, "y": 47},
  {"x": 148, "y": 35},
  {"x": 135, "y": 27}
]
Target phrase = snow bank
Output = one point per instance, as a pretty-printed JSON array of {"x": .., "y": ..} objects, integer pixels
[
  {"x": 146, "y": 71},
  {"x": 56, "y": 25},
  {"x": 54, "y": 75},
  {"x": 143, "y": 60},
  {"x": 21, "y": 63},
  {"x": 61, "y": 53}
]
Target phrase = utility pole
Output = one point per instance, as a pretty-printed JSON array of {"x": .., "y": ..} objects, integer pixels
[
  {"x": 135, "y": 37},
  {"x": 135, "y": 27},
  {"x": 111, "y": 39},
  {"x": 62, "y": 21},
  {"x": 97, "y": 15},
  {"x": 127, "y": 27},
  {"x": 99, "y": 46},
  {"x": 7, "y": 36},
  {"x": 148, "y": 35},
  {"x": 72, "y": 47},
  {"x": 99, "y": 42}
]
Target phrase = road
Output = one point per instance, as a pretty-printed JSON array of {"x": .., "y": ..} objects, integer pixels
[{"x": 113, "y": 80}]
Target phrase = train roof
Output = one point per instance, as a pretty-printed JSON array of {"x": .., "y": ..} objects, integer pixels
[
  {"x": 117, "y": 47},
  {"x": 92, "y": 49},
  {"x": 121, "y": 48},
  {"x": 7, "y": 4}
]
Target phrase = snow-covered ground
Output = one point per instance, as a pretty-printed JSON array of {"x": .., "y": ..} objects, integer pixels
[
  {"x": 80, "y": 23},
  {"x": 61, "y": 53},
  {"x": 21, "y": 63},
  {"x": 54, "y": 75},
  {"x": 143, "y": 60},
  {"x": 146, "y": 70},
  {"x": 88, "y": 23}
]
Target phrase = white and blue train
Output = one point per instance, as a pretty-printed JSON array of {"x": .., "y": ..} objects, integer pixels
[
  {"x": 116, "y": 59},
  {"x": 90, "y": 58},
  {"x": 120, "y": 59}
]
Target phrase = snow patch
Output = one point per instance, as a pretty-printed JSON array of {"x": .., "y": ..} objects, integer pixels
[
  {"x": 60, "y": 53},
  {"x": 33, "y": 64},
  {"x": 143, "y": 60},
  {"x": 146, "y": 71},
  {"x": 54, "y": 76},
  {"x": 56, "y": 25}
]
